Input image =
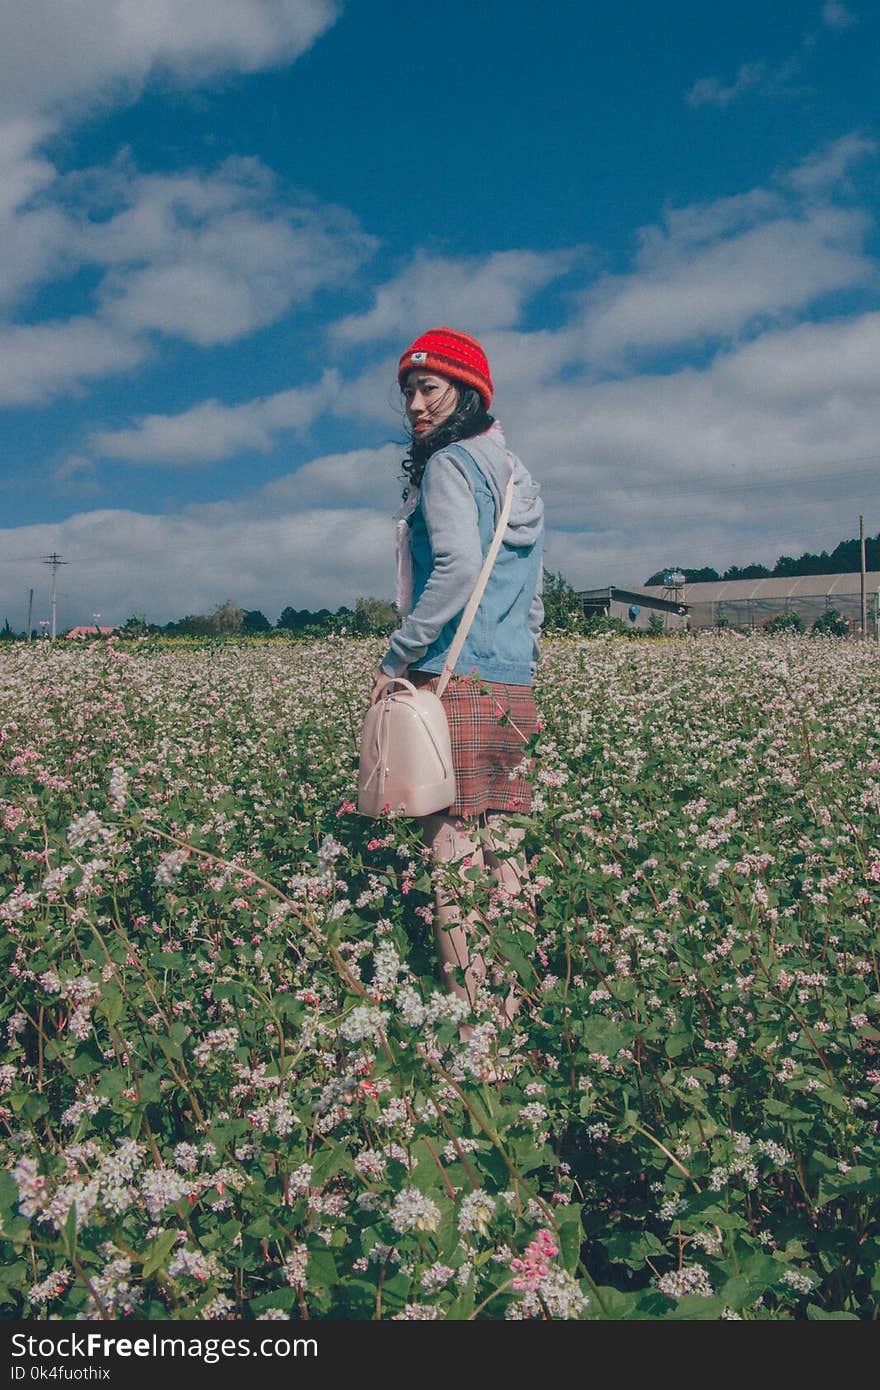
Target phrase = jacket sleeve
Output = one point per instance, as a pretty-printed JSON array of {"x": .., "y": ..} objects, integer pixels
[
  {"x": 450, "y": 511},
  {"x": 536, "y": 620}
]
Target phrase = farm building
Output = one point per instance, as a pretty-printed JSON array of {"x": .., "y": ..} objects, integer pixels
[
  {"x": 89, "y": 630},
  {"x": 753, "y": 602},
  {"x": 635, "y": 606}
]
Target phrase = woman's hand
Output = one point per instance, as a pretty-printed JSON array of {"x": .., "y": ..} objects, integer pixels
[{"x": 380, "y": 680}]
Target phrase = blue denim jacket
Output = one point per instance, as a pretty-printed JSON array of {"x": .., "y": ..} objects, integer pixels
[{"x": 451, "y": 529}]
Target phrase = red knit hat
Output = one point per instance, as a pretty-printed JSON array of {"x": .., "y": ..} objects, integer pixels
[{"x": 455, "y": 355}]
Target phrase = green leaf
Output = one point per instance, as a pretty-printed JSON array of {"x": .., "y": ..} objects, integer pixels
[
  {"x": 322, "y": 1269},
  {"x": 278, "y": 1298},
  {"x": 158, "y": 1252},
  {"x": 736, "y": 1293},
  {"x": 70, "y": 1233},
  {"x": 463, "y": 1306},
  {"x": 570, "y": 1236},
  {"x": 110, "y": 1004},
  {"x": 632, "y": 1250},
  {"x": 677, "y": 1043},
  {"x": 817, "y": 1314},
  {"x": 328, "y": 1163},
  {"x": 604, "y": 1036},
  {"x": 693, "y": 1307}
]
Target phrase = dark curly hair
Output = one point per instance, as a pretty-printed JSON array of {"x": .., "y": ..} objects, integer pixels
[{"x": 469, "y": 417}]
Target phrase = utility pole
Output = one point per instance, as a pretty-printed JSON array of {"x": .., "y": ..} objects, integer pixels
[
  {"x": 864, "y": 604},
  {"x": 30, "y": 614},
  {"x": 54, "y": 560}
]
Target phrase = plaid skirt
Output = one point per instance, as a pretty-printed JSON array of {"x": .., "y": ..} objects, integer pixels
[{"x": 488, "y": 750}]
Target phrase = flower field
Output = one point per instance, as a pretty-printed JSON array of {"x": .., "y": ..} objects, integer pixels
[{"x": 231, "y": 1086}]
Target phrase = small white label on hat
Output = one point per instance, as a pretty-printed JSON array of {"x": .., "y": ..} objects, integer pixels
[{"x": 419, "y": 357}]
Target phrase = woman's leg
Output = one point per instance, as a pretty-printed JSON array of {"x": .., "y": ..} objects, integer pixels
[
  {"x": 451, "y": 845},
  {"x": 503, "y": 854}
]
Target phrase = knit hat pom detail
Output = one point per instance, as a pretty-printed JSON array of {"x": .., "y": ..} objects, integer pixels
[{"x": 452, "y": 354}]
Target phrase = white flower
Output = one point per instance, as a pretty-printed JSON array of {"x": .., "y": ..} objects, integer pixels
[
  {"x": 169, "y": 867},
  {"x": 51, "y": 1287},
  {"x": 475, "y": 1212},
  {"x": 160, "y": 1188},
  {"x": 801, "y": 1283},
  {"x": 363, "y": 1023},
  {"x": 690, "y": 1279},
  {"x": 118, "y": 788},
  {"x": 295, "y": 1267},
  {"x": 85, "y": 831},
  {"x": 413, "y": 1211}
]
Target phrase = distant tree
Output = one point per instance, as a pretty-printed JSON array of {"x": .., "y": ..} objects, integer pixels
[
  {"x": 193, "y": 625},
  {"x": 374, "y": 617},
  {"x": 294, "y": 619},
  {"x": 785, "y": 566},
  {"x": 255, "y": 621},
  {"x": 7, "y": 635},
  {"x": 747, "y": 572},
  {"x": 656, "y": 626},
  {"x": 845, "y": 558},
  {"x": 706, "y": 575},
  {"x": 226, "y": 617},
  {"x": 563, "y": 605},
  {"x": 137, "y": 626},
  {"x": 223, "y": 620}
]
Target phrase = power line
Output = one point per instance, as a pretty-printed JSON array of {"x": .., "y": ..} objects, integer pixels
[
  {"x": 54, "y": 560},
  {"x": 790, "y": 480}
]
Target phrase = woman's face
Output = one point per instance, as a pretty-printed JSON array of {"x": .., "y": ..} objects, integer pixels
[{"x": 429, "y": 399}]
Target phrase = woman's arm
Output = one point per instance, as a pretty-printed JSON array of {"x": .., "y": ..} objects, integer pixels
[
  {"x": 450, "y": 511},
  {"x": 536, "y": 621}
]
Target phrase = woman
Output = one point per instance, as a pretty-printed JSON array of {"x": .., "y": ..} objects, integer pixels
[{"x": 457, "y": 470}]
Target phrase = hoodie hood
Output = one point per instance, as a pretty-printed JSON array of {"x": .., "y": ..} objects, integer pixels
[{"x": 492, "y": 456}]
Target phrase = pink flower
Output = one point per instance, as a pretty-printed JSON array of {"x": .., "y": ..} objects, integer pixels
[{"x": 534, "y": 1266}]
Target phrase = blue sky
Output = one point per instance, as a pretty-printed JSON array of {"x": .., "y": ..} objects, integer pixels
[{"x": 222, "y": 222}]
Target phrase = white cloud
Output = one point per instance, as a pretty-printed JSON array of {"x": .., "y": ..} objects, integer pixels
[
  {"x": 837, "y": 16},
  {"x": 207, "y": 257},
  {"x": 811, "y": 366},
  {"x": 77, "y": 475},
  {"x": 712, "y": 466},
  {"x": 711, "y": 91},
  {"x": 65, "y": 57},
  {"x": 211, "y": 431},
  {"x": 680, "y": 294},
  {"x": 361, "y": 478},
  {"x": 211, "y": 257},
  {"x": 829, "y": 165},
  {"x": 720, "y": 269},
  {"x": 37, "y": 361},
  {"x": 488, "y": 291},
  {"x": 121, "y": 562},
  {"x": 32, "y": 233}
]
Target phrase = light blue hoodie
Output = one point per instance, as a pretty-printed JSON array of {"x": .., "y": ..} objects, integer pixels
[{"x": 451, "y": 529}]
